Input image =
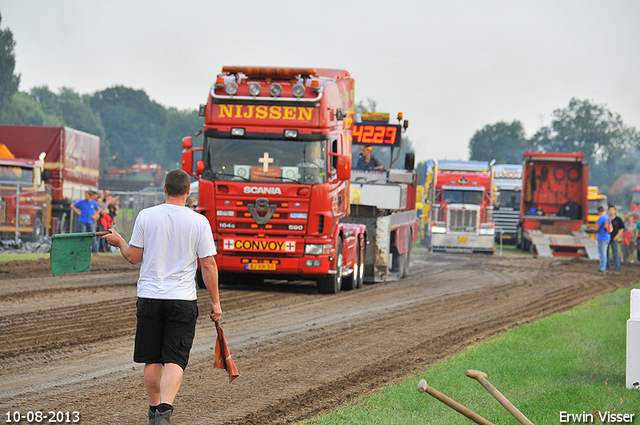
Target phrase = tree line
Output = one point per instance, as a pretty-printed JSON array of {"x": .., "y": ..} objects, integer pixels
[
  {"x": 132, "y": 127},
  {"x": 611, "y": 147}
]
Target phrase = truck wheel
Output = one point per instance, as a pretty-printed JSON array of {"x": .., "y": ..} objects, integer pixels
[
  {"x": 407, "y": 260},
  {"x": 519, "y": 238},
  {"x": 398, "y": 263},
  {"x": 331, "y": 284},
  {"x": 355, "y": 280},
  {"x": 37, "y": 232},
  {"x": 360, "y": 261}
]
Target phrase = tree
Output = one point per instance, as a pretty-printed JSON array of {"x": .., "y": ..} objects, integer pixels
[
  {"x": 179, "y": 125},
  {"x": 9, "y": 81},
  {"x": 503, "y": 142},
  {"x": 71, "y": 109},
  {"x": 134, "y": 125},
  {"x": 609, "y": 146}
]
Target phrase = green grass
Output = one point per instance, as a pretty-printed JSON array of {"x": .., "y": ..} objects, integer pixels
[
  {"x": 573, "y": 361},
  {"x": 13, "y": 256}
]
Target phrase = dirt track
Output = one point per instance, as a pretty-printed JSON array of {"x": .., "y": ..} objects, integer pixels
[{"x": 66, "y": 343}]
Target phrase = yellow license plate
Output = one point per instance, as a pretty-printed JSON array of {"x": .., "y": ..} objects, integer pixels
[
  {"x": 462, "y": 239},
  {"x": 506, "y": 237},
  {"x": 261, "y": 266}
]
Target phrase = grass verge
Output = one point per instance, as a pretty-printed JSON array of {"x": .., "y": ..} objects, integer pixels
[
  {"x": 571, "y": 362},
  {"x": 6, "y": 257}
]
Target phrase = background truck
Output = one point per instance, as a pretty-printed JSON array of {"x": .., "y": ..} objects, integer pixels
[
  {"x": 274, "y": 178},
  {"x": 136, "y": 177},
  {"x": 25, "y": 202},
  {"x": 507, "y": 179},
  {"x": 555, "y": 205},
  {"x": 384, "y": 200},
  {"x": 71, "y": 164},
  {"x": 460, "y": 196},
  {"x": 596, "y": 199}
]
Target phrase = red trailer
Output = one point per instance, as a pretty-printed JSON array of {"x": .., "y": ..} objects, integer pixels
[
  {"x": 555, "y": 206},
  {"x": 71, "y": 163}
]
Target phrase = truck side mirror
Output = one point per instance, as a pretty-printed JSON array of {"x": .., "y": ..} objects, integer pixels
[
  {"x": 343, "y": 167},
  {"x": 410, "y": 161},
  {"x": 187, "y": 142},
  {"x": 187, "y": 161},
  {"x": 199, "y": 167}
]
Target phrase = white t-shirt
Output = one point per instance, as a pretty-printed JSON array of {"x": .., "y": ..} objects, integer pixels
[{"x": 172, "y": 237}]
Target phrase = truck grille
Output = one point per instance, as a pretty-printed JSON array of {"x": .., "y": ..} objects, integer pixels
[
  {"x": 506, "y": 220},
  {"x": 463, "y": 220}
]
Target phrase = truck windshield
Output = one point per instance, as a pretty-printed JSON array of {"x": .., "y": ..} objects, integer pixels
[
  {"x": 256, "y": 160},
  {"x": 462, "y": 196},
  {"x": 595, "y": 203},
  {"x": 12, "y": 174},
  {"x": 510, "y": 199}
]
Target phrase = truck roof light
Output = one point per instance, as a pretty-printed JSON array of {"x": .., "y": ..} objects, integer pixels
[
  {"x": 275, "y": 89},
  {"x": 254, "y": 89},
  {"x": 290, "y": 134},
  {"x": 298, "y": 90},
  {"x": 219, "y": 82},
  {"x": 231, "y": 88},
  {"x": 315, "y": 84},
  {"x": 237, "y": 132}
]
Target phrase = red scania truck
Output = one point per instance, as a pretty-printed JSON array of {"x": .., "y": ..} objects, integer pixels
[{"x": 274, "y": 176}]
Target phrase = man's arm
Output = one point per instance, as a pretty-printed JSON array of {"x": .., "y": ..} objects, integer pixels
[
  {"x": 132, "y": 254},
  {"x": 210, "y": 277}
]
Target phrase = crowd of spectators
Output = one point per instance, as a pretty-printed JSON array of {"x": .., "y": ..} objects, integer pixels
[{"x": 97, "y": 213}]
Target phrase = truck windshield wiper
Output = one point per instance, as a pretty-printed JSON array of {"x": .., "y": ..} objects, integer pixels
[{"x": 232, "y": 175}]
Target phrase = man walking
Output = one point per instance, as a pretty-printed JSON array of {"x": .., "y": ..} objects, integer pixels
[
  {"x": 172, "y": 237},
  {"x": 603, "y": 227},
  {"x": 617, "y": 228}
]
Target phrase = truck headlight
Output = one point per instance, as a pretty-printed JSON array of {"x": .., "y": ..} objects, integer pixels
[
  {"x": 438, "y": 227},
  {"x": 25, "y": 219},
  {"x": 317, "y": 249},
  {"x": 487, "y": 229}
]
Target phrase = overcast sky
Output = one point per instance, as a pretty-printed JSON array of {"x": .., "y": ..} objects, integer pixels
[{"x": 450, "y": 66}]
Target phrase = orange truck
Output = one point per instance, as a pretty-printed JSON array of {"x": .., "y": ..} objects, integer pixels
[
  {"x": 71, "y": 165},
  {"x": 555, "y": 206},
  {"x": 274, "y": 176},
  {"x": 25, "y": 203}
]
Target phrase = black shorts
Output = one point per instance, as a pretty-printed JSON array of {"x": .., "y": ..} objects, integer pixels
[{"x": 165, "y": 331}]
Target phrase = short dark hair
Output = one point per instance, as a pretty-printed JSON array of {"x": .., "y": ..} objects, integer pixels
[
  {"x": 600, "y": 208},
  {"x": 177, "y": 182}
]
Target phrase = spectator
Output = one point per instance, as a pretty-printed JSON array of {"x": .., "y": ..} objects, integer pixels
[
  {"x": 603, "y": 229},
  {"x": 191, "y": 203},
  {"x": 88, "y": 212},
  {"x": 113, "y": 205},
  {"x": 105, "y": 224},
  {"x": 628, "y": 240},
  {"x": 616, "y": 237}
]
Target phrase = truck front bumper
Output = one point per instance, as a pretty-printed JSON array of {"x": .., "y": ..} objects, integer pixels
[{"x": 462, "y": 242}]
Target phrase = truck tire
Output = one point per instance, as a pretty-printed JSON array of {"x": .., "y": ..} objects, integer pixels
[
  {"x": 331, "y": 284},
  {"x": 407, "y": 260},
  {"x": 38, "y": 230},
  {"x": 355, "y": 280},
  {"x": 360, "y": 260}
]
